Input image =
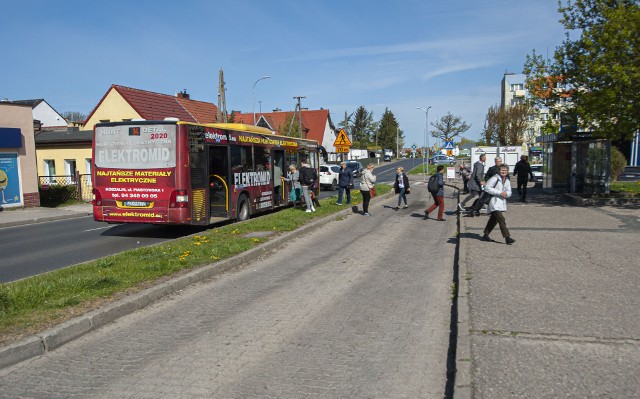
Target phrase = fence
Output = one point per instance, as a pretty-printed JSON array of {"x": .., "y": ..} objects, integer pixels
[{"x": 60, "y": 189}]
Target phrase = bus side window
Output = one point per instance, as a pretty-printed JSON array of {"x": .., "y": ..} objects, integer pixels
[{"x": 241, "y": 159}]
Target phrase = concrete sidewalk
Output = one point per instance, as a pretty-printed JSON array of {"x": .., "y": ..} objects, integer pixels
[
  {"x": 556, "y": 313},
  {"x": 19, "y": 216}
]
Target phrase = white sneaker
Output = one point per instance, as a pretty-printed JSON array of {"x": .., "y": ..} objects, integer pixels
[
  {"x": 313, "y": 209},
  {"x": 460, "y": 207},
  {"x": 308, "y": 210}
]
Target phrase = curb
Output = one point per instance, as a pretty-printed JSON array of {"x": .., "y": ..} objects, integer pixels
[
  {"x": 44, "y": 219},
  {"x": 464, "y": 380},
  {"x": 59, "y": 335}
]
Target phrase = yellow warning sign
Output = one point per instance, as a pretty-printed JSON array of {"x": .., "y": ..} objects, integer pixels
[
  {"x": 342, "y": 140},
  {"x": 449, "y": 153},
  {"x": 342, "y": 149}
]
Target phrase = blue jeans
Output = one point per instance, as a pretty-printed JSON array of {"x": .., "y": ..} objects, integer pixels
[
  {"x": 402, "y": 196},
  {"x": 340, "y": 191}
]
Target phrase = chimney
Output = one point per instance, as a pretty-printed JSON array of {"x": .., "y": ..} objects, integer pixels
[{"x": 183, "y": 94}]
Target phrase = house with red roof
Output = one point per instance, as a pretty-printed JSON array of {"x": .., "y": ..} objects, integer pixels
[
  {"x": 121, "y": 103},
  {"x": 316, "y": 125}
]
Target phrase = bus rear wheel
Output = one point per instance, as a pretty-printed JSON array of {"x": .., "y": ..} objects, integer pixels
[{"x": 243, "y": 209}]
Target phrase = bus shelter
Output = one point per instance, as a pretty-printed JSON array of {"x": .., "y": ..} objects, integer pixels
[{"x": 576, "y": 163}]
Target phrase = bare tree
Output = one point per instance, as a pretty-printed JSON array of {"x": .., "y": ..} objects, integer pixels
[{"x": 449, "y": 126}]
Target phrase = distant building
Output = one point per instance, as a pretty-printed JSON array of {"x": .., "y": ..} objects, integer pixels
[
  {"x": 44, "y": 113},
  {"x": 514, "y": 92}
]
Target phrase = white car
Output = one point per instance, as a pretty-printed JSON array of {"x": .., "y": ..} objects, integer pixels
[
  {"x": 537, "y": 172},
  {"x": 329, "y": 176}
]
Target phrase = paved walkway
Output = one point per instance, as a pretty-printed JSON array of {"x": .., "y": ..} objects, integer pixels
[{"x": 556, "y": 313}]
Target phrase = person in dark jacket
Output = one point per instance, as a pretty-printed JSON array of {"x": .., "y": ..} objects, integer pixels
[
  {"x": 401, "y": 186},
  {"x": 476, "y": 182},
  {"x": 438, "y": 197},
  {"x": 524, "y": 173},
  {"x": 345, "y": 183},
  {"x": 307, "y": 178}
]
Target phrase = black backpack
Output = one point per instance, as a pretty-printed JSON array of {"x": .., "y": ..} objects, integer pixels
[{"x": 433, "y": 185}]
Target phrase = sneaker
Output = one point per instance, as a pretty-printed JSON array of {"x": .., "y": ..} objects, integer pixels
[
  {"x": 337, "y": 203},
  {"x": 366, "y": 214},
  {"x": 397, "y": 207},
  {"x": 406, "y": 206},
  {"x": 509, "y": 240},
  {"x": 309, "y": 210},
  {"x": 461, "y": 208},
  {"x": 313, "y": 209}
]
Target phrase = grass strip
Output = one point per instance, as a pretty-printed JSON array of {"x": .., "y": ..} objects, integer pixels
[{"x": 33, "y": 304}]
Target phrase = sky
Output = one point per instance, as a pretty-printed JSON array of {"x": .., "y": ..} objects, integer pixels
[{"x": 450, "y": 55}]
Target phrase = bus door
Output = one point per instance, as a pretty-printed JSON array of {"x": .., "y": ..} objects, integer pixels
[
  {"x": 219, "y": 195},
  {"x": 278, "y": 178}
]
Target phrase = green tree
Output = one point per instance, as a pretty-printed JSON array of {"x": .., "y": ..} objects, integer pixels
[
  {"x": 389, "y": 134},
  {"x": 448, "y": 127},
  {"x": 291, "y": 126},
  {"x": 507, "y": 126},
  {"x": 599, "y": 70},
  {"x": 363, "y": 128}
]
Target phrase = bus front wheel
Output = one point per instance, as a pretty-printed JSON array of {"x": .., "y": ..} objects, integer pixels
[{"x": 244, "y": 210}]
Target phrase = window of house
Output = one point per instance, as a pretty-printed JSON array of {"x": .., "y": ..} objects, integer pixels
[
  {"x": 517, "y": 86},
  {"x": 70, "y": 170},
  {"x": 49, "y": 171}
]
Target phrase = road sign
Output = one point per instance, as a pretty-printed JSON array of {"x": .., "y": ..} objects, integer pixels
[
  {"x": 448, "y": 145},
  {"x": 413, "y": 147},
  {"x": 449, "y": 153},
  {"x": 342, "y": 140},
  {"x": 342, "y": 149}
]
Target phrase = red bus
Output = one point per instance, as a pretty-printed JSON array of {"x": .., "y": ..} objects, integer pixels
[{"x": 181, "y": 173}]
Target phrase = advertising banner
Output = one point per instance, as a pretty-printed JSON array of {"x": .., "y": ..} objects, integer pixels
[{"x": 10, "y": 194}]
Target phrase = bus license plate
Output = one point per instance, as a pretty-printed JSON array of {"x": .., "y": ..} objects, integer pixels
[{"x": 136, "y": 203}]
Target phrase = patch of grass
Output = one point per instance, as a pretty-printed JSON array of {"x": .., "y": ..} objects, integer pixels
[
  {"x": 32, "y": 304},
  {"x": 626, "y": 187},
  {"x": 419, "y": 170}
]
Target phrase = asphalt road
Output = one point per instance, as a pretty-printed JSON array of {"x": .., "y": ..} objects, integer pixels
[
  {"x": 38, "y": 248},
  {"x": 357, "y": 308}
]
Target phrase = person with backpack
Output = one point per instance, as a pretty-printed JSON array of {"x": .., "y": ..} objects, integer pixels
[
  {"x": 307, "y": 177},
  {"x": 436, "y": 188}
]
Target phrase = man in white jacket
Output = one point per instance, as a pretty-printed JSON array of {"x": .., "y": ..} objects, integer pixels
[{"x": 499, "y": 187}]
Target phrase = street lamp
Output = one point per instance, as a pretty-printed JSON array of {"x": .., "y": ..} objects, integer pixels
[
  {"x": 426, "y": 139},
  {"x": 253, "y": 96}
]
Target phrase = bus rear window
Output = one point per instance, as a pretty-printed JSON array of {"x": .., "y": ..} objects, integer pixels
[{"x": 135, "y": 147}]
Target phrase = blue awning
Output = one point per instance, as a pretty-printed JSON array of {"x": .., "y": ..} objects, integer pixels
[{"x": 10, "y": 137}]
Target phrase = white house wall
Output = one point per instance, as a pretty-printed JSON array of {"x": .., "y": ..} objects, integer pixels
[{"x": 47, "y": 115}]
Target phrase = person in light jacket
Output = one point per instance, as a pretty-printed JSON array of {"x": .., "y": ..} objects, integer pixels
[
  {"x": 499, "y": 187},
  {"x": 296, "y": 187},
  {"x": 366, "y": 183}
]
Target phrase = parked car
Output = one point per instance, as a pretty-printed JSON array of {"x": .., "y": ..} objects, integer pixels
[
  {"x": 536, "y": 169},
  {"x": 356, "y": 168},
  {"x": 441, "y": 159},
  {"x": 630, "y": 173},
  {"x": 387, "y": 158},
  {"x": 329, "y": 176}
]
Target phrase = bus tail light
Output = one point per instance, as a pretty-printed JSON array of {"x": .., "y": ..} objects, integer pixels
[
  {"x": 96, "y": 197},
  {"x": 179, "y": 199}
]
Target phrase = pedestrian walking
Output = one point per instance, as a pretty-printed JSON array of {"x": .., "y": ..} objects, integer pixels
[
  {"x": 475, "y": 182},
  {"x": 499, "y": 187},
  {"x": 524, "y": 173},
  {"x": 345, "y": 183},
  {"x": 307, "y": 178},
  {"x": 296, "y": 187},
  {"x": 401, "y": 186},
  {"x": 366, "y": 186},
  {"x": 277, "y": 184},
  {"x": 465, "y": 174},
  {"x": 438, "y": 196}
]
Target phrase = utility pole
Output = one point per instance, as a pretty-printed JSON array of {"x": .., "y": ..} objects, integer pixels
[
  {"x": 298, "y": 109},
  {"x": 222, "y": 102}
]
